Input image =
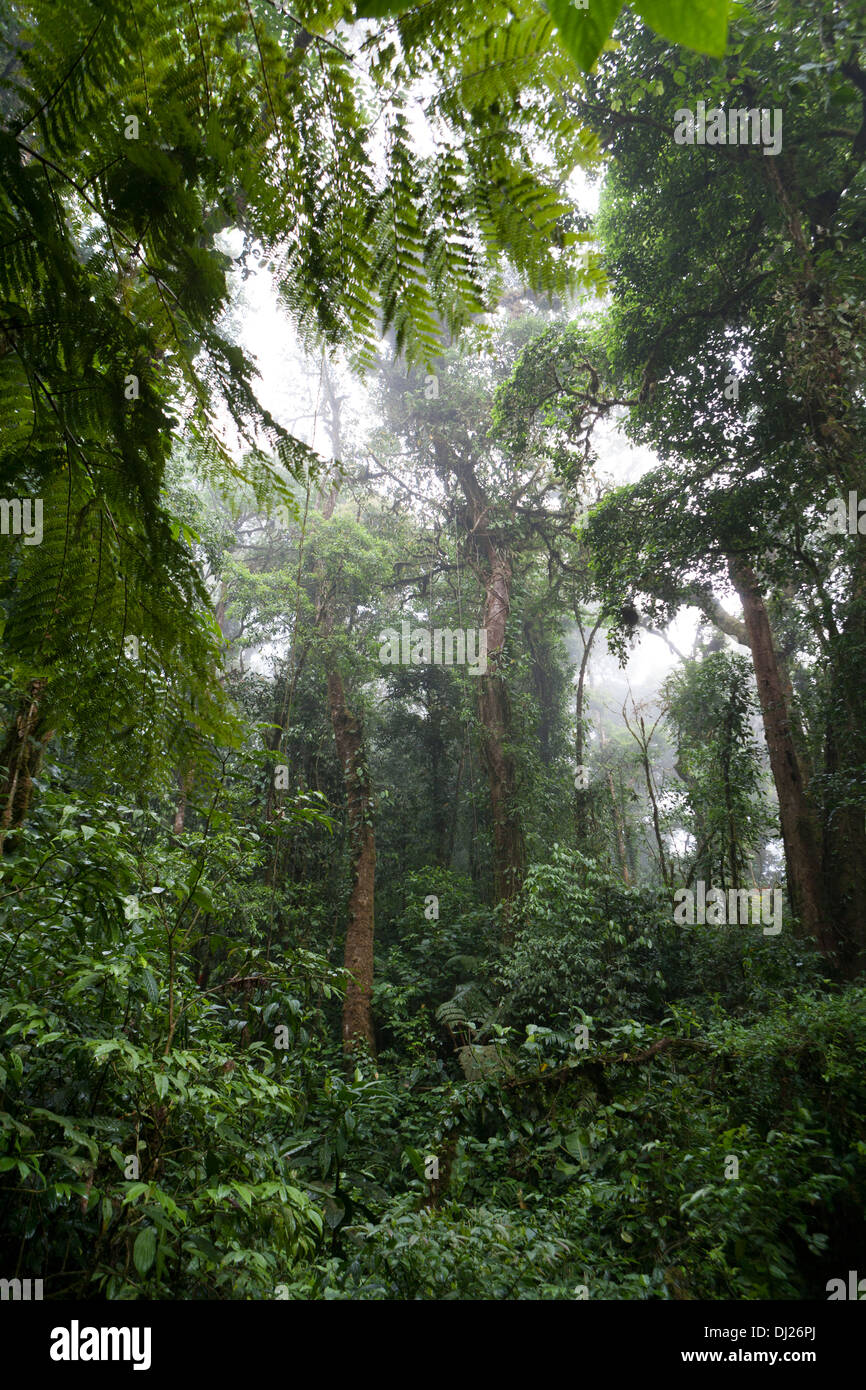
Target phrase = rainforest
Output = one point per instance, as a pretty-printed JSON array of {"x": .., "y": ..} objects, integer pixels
[{"x": 432, "y": 652}]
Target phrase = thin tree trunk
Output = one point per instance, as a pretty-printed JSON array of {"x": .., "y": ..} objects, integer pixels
[
  {"x": 20, "y": 759},
  {"x": 348, "y": 733},
  {"x": 183, "y": 779},
  {"x": 452, "y": 827},
  {"x": 580, "y": 792},
  {"x": 436, "y": 757},
  {"x": 349, "y": 737},
  {"x": 643, "y": 741},
  {"x": 494, "y": 711},
  {"x": 620, "y": 834},
  {"x": 667, "y": 874}
]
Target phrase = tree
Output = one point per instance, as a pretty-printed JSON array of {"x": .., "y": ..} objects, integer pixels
[
  {"x": 710, "y": 707},
  {"x": 724, "y": 357},
  {"x": 503, "y": 499}
]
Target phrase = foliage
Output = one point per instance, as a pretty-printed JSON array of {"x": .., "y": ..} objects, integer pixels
[
  {"x": 141, "y": 1146},
  {"x": 215, "y": 784},
  {"x": 585, "y": 944},
  {"x": 710, "y": 705}
]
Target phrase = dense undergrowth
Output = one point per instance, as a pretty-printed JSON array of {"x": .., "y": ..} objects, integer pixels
[{"x": 611, "y": 1107}]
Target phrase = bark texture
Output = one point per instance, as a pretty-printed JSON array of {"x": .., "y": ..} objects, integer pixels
[
  {"x": 349, "y": 737},
  {"x": 20, "y": 760},
  {"x": 493, "y": 566},
  {"x": 800, "y": 831}
]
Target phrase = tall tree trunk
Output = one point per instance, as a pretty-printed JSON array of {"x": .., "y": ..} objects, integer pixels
[
  {"x": 351, "y": 750},
  {"x": 348, "y": 733},
  {"x": 20, "y": 759},
  {"x": 800, "y": 832},
  {"x": 643, "y": 741},
  {"x": 631, "y": 851},
  {"x": 581, "y": 793},
  {"x": 183, "y": 781},
  {"x": 844, "y": 839},
  {"x": 509, "y": 859},
  {"x": 494, "y": 706},
  {"x": 666, "y": 872},
  {"x": 845, "y": 755},
  {"x": 455, "y": 812},
  {"x": 620, "y": 832},
  {"x": 436, "y": 753},
  {"x": 494, "y": 711}
]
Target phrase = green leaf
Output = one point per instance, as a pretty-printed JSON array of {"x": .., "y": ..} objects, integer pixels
[
  {"x": 417, "y": 1162},
  {"x": 150, "y": 985},
  {"x": 583, "y": 32},
  {"x": 568, "y": 1168},
  {"x": 244, "y": 1192},
  {"x": 698, "y": 24},
  {"x": 144, "y": 1250},
  {"x": 695, "y": 1197},
  {"x": 88, "y": 978},
  {"x": 574, "y": 1144},
  {"x": 204, "y": 1246}
]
